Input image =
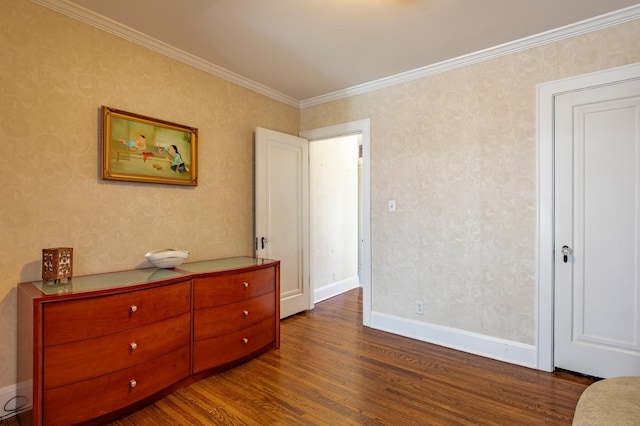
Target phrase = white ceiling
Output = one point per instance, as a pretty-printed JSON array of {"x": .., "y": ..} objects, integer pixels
[{"x": 304, "y": 49}]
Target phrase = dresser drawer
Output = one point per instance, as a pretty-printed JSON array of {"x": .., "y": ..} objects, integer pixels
[
  {"x": 73, "y": 362},
  {"x": 223, "y": 349},
  {"x": 225, "y": 319},
  {"x": 224, "y": 289},
  {"x": 98, "y": 316},
  {"x": 92, "y": 398}
]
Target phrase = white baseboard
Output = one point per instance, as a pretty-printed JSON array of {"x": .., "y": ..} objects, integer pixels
[
  {"x": 335, "y": 288},
  {"x": 12, "y": 404},
  {"x": 478, "y": 344}
]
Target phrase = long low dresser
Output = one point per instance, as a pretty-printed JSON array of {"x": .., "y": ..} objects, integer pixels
[{"x": 102, "y": 345}]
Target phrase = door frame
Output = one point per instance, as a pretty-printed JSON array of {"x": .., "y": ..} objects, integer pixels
[
  {"x": 356, "y": 127},
  {"x": 546, "y": 93}
]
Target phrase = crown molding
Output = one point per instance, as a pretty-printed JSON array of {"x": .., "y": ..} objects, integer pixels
[
  {"x": 89, "y": 17},
  {"x": 582, "y": 27}
]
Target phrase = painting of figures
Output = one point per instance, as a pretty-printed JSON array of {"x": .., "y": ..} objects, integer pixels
[{"x": 142, "y": 149}]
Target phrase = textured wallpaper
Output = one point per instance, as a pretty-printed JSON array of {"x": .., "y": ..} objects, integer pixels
[
  {"x": 457, "y": 151},
  {"x": 55, "y": 73}
]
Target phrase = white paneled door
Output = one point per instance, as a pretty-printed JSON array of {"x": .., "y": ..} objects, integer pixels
[
  {"x": 597, "y": 229},
  {"x": 282, "y": 213}
]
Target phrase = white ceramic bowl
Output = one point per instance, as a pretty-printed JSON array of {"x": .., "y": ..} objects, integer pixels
[{"x": 166, "y": 258}]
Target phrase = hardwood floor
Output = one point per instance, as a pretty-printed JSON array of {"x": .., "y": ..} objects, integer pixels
[{"x": 330, "y": 370}]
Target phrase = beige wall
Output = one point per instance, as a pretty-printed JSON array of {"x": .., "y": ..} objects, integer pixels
[
  {"x": 457, "y": 151},
  {"x": 55, "y": 73}
]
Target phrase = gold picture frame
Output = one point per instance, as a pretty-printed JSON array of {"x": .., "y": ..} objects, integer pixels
[{"x": 136, "y": 148}]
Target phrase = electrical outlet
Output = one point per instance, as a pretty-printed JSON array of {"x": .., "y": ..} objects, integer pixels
[{"x": 419, "y": 307}]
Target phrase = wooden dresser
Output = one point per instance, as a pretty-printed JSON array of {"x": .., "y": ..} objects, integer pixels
[{"x": 102, "y": 345}]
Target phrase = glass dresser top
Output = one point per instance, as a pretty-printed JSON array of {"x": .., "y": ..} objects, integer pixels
[
  {"x": 108, "y": 280},
  {"x": 141, "y": 276},
  {"x": 222, "y": 264}
]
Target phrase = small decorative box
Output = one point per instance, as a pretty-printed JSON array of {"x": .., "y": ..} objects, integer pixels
[{"x": 57, "y": 263}]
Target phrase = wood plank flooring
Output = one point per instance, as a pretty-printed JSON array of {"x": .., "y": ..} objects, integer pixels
[{"x": 330, "y": 370}]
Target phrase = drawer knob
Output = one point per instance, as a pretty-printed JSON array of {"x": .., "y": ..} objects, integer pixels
[
  {"x": 133, "y": 308},
  {"x": 133, "y": 383},
  {"x": 245, "y": 284},
  {"x": 246, "y": 313},
  {"x": 245, "y": 340},
  {"x": 133, "y": 346}
]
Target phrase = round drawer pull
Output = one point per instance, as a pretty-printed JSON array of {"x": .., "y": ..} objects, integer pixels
[
  {"x": 133, "y": 346},
  {"x": 246, "y": 313},
  {"x": 245, "y": 340},
  {"x": 245, "y": 284},
  {"x": 133, "y": 383},
  {"x": 133, "y": 308}
]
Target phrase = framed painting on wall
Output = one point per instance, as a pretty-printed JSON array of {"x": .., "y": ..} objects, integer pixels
[{"x": 142, "y": 149}]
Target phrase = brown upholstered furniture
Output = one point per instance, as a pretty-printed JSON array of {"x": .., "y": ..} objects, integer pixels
[{"x": 611, "y": 402}]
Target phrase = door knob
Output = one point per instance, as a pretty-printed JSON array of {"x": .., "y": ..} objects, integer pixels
[{"x": 566, "y": 252}]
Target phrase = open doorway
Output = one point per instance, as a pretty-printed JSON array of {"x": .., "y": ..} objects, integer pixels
[
  {"x": 319, "y": 266},
  {"x": 335, "y": 215}
]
